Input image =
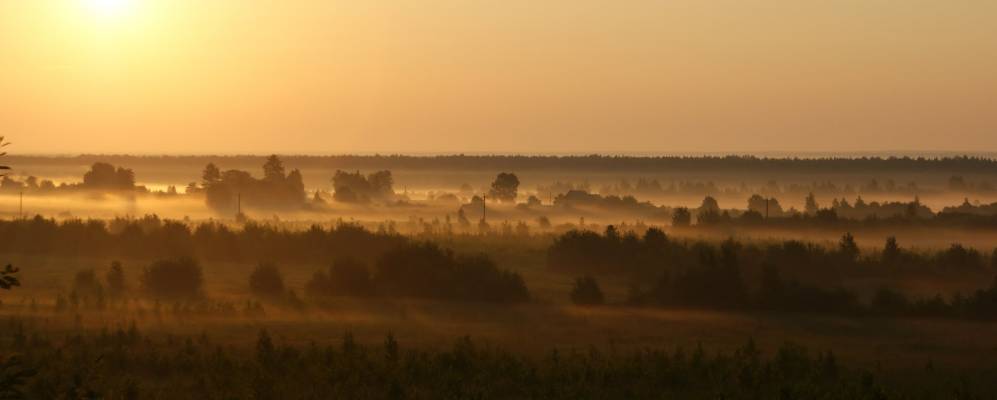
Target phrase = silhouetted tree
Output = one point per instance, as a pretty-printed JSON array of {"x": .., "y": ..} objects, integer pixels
[
  {"x": 276, "y": 189},
  {"x": 87, "y": 287},
  {"x": 179, "y": 278},
  {"x": 104, "y": 176},
  {"x": 505, "y": 187},
  {"x": 211, "y": 175},
  {"x": 890, "y": 302},
  {"x": 891, "y": 251},
  {"x": 8, "y": 278},
  {"x": 462, "y": 220},
  {"x": 847, "y": 247},
  {"x": 811, "y": 207},
  {"x": 543, "y": 222},
  {"x": 346, "y": 277},
  {"x": 586, "y": 292},
  {"x": 427, "y": 271},
  {"x": 709, "y": 204},
  {"x": 3, "y": 153},
  {"x": 533, "y": 201},
  {"x": 356, "y": 188},
  {"x": 767, "y": 207},
  {"x": 266, "y": 281},
  {"x": 681, "y": 217},
  {"x": 273, "y": 169}
]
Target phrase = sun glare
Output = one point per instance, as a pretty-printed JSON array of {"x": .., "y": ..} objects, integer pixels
[{"x": 108, "y": 8}]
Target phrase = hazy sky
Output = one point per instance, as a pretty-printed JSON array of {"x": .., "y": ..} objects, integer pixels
[{"x": 337, "y": 76}]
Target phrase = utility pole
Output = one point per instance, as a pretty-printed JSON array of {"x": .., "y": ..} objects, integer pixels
[{"x": 484, "y": 207}]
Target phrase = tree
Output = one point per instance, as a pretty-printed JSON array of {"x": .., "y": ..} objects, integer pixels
[
  {"x": 295, "y": 187},
  {"x": 586, "y": 292},
  {"x": 681, "y": 217},
  {"x": 505, "y": 187},
  {"x": 709, "y": 205},
  {"x": 87, "y": 286},
  {"x": 848, "y": 248},
  {"x": 381, "y": 183},
  {"x": 211, "y": 175},
  {"x": 891, "y": 251},
  {"x": 462, "y": 219},
  {"x": 7, "y": 279},
  {"x": 273, "y": 169},
  {"x": 768, "y": 207},
  {"x": 811, "y": 207},
  {"x": 3, "y": 153},
  {"x": 346, "y": 277},
  {"x": 276, "y": 190},
  {"x": 266, "y": 281},
  {"x": 104, "y": 176},
  {"x": 179, "y": 278},
  {"x": 543, "y": 222},
  {"x": 353, "y": 187}
]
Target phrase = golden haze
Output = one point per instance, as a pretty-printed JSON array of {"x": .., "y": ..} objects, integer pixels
[{"x": 227, "y": 76}]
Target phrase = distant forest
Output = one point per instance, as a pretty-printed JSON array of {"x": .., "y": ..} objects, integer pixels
[{"x": 741, "y": 164}]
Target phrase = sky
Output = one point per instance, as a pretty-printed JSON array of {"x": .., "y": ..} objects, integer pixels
[{"x": 511, "y": 76}]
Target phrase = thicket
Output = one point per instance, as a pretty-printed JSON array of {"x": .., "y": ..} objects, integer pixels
[
  {"x": 735, "y": 275},
  {"x": 153, "y": 238},
  {"x": 226, "y": 191},
  {"x": 587, "y": 292},
  {"x": 175, "y": 279},
  {"x": 422, "y": 270},
  {"x": 354, "y": 187}
]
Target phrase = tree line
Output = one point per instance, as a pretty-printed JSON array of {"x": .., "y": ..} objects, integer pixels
[
  {"x": 729, "y": 163},
  {"x": 153, "y": 238},
  {"x": 789, "y": 276}
]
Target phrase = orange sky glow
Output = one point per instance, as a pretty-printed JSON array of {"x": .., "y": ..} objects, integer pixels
[{"x": 334, "y": 76}]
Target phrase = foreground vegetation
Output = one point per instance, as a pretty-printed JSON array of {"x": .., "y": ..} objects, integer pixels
[{"x": 125, "y": 363}]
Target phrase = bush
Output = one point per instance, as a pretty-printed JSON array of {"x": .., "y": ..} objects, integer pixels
[
  {"x": 86, "y": 284},
  {"x": 427, "y": 271},
  {"x": 266, "y": 281},
  {"x": 586, "y": 292},
  {"x": 179, "y": 278},
  {"x": 346, "y": 277}
]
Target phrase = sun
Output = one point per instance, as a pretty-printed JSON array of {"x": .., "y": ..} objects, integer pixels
[{"x": 108, "y": 8}]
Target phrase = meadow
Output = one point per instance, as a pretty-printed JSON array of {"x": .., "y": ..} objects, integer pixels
[{"x": 387, "y": 295}]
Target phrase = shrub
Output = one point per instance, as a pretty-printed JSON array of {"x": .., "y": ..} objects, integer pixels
[
  {"x": 266, "y": 281},
  {"x": 427, "y": 271},
  {"x": 586, "y": 292},
  {"x": 346, "y": 277},
  {"x": 86, "y": 285},
  {"x": 179, "y": 278}
]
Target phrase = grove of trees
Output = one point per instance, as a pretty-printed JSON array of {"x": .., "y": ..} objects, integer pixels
[
  {"x": 735, "y": 275},
  {"x": 354, "y": 187},
  {"x": 225, "y": 191}
]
